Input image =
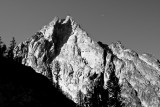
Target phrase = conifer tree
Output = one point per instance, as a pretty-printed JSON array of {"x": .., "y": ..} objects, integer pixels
[
  {"x": 3, "y": 48},
  {"x": 11, "y": 48}
]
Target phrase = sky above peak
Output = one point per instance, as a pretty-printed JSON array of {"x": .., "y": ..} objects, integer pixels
[{"x": 136, "y": 23}]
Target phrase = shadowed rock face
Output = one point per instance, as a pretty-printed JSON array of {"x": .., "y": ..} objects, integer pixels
[{"x": 90, "y": 73}]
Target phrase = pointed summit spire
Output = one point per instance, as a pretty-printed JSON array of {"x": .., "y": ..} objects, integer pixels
[
  {"x": 67, "y": 19},
  {"x": 48, "y": 30},
  {"x": 56, "y": 18}
]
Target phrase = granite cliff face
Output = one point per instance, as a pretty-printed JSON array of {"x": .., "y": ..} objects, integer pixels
[{"x": 90, "y": 73}]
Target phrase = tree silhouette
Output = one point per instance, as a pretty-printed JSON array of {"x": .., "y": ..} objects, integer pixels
[
  {"x": 114, "y": 89},
  {"x": 3, "y": 48},
  {"x": 11, "y": 48}
]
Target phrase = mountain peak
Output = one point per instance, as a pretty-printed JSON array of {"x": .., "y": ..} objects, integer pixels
[
  {"x": 57, "y": 23},
  {"x": 91, "y": 73}
]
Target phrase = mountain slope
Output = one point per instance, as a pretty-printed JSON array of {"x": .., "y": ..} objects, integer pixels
[{"x": 91, "y": 73}]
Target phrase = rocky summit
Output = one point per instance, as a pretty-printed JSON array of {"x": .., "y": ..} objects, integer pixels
[{"x": 91, "y": 74}]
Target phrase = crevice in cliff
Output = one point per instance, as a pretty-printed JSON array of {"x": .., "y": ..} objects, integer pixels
[
  {"x": 112, "y": 97},
  {"x": 105, "y": 49}
]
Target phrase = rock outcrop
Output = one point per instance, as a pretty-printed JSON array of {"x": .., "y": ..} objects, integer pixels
[{"x": 90, "y": 73}]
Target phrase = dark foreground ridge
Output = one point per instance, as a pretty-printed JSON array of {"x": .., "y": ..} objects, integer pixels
[{"x": 21, "y": 86}]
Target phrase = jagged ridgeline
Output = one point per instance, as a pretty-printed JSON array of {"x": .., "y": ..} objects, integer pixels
[{"x": 91, "y": 74}]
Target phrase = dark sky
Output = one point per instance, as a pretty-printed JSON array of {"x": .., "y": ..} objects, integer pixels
[{"x": 136, "y": 23}]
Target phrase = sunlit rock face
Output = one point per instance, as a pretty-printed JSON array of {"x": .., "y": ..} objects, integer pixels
[{"x": 92, "y": 74}]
